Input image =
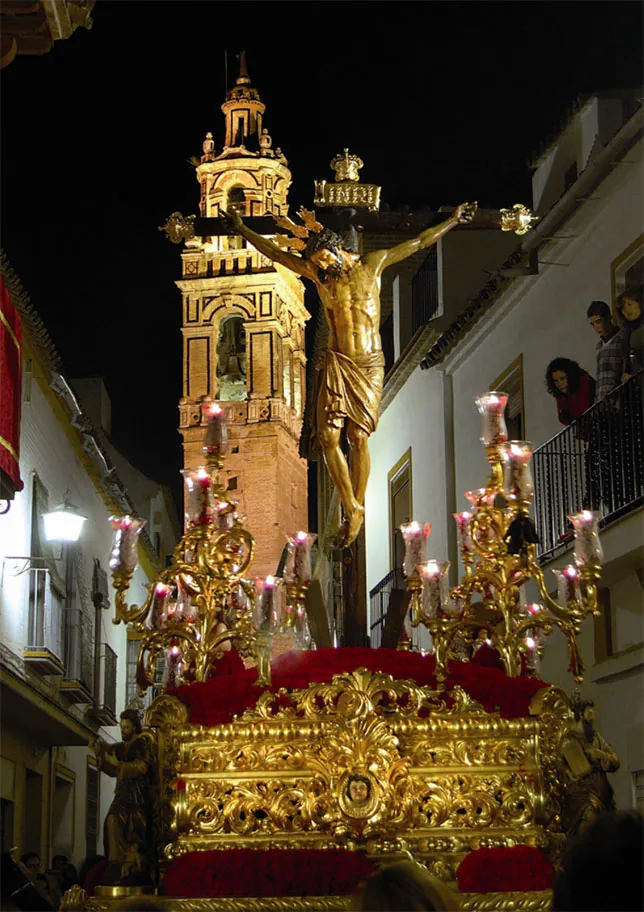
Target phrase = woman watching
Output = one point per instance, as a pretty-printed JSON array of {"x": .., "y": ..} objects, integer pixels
[{"x": 572, "y": 387}]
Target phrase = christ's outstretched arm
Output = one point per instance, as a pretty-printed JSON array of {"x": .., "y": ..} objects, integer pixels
[{"x": 384, "y": 258}]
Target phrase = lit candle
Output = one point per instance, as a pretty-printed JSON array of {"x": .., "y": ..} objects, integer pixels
[
  {"x": 518, "y": 476},
  {"x": 588, "y": 549},
  {"x": 298, "y": 568},
  {"x": 159, "y": 613},
  {"x": 415, "y": 537},
  {"x": 568, "y": 585},
  {"x": 173, "y": 667},
  {"x": 435, "y": 592},
  {"x": 216, "y": 437},
  {"x": 492, "y": 407},
  {"x": 199, "y": 497},
  {"x": 463, "y": 526},
  {"x": 266, "y": 617},
  {"x": 125, "y": 547}
]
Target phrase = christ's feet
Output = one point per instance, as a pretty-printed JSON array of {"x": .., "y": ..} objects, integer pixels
[{"x": 354, "y": 524}]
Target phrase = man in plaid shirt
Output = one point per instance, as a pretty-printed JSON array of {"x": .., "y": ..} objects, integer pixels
[{"x": 612, "y": 349}]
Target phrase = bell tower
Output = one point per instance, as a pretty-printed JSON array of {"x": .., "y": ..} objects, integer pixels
[{"x": 243, "y": 330}]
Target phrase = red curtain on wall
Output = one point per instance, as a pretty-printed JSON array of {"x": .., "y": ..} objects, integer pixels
[{"x": 10, "y": 395}]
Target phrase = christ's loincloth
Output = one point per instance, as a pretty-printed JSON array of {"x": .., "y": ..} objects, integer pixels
[{"x": 351, "y": 389}]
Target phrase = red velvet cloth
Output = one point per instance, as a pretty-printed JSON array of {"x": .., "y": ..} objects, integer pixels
[
  {"x": 505, "y": 870},
  {"x": 10, "y": 387},
  {"x": 267, "y": 872},
  {"x": 224, "y": 696}
]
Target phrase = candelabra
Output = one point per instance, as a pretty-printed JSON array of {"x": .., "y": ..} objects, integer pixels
[
  {"x": 202, "y": 604},
  {"x": 497, "y": 542}
]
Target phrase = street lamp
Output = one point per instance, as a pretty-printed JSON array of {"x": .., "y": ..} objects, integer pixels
[{"x": 64, "y": 523}]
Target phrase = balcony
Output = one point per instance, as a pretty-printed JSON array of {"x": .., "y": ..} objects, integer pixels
[
  {"x": 379, "y": 600},
  {"x": 424, "y": 293},
  {"x": 596, "y": 463},
  {"x": 43, "y": 654},
  {"x": 104, "y": 709},
  {"x": 75, "y": 685}
]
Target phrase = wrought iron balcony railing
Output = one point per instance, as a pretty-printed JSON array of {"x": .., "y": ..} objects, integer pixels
[
  {"x": 379, "y": 598},
  {"x": 76, "y": 684},
  {"x": 424, "y": 292},
  {"x": 104, "y": 709},
  {"x": 596, "y": 463},
  {"x": 44, "y": 651}
]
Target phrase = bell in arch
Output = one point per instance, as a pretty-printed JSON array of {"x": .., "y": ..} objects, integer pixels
[{"x": 231, "y": 360}]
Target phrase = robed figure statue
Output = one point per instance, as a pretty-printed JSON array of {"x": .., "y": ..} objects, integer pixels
[{"x": 128, "y": 826}]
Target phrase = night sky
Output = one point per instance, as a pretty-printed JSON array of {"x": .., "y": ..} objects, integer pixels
[{"x": 444, "y": 102}]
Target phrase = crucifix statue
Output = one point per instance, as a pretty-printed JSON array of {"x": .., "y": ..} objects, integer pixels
[{"x": 353, "y": 364}]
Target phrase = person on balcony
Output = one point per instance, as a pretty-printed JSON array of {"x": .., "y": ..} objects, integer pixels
[
  {"x": 612, "y": 349},
  {"x": 630, "y": 318},
  {"x": 572, "y": 387},
  {"x": 604, "y": 456}
]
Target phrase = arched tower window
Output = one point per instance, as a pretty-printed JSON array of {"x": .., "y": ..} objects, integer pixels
[
  {"x": 237, "y": 199},
  {"x": 231, "y": 360}
]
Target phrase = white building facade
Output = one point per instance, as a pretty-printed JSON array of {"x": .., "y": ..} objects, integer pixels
[
  {"x": 63, "y": 662},
  {"x": 588, "y": 245}
]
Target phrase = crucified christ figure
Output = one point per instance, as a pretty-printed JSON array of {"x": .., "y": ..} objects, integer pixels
[{"x": 353, "y": 364}]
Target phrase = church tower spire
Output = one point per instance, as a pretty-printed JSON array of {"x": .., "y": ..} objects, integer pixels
[
  {"x": 243, "y": 109},
  {"x": 243, "y": 330}
]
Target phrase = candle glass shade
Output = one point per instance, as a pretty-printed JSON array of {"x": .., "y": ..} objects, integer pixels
[
  {"x": 518, "y": 483},
  {"x": 185, "y": 610},
  {"x": 159, "y": 610},
  {"x": 588, "y": 548},
  {"x": 435, "y": 594},
  {"x": 266, "y": 613},
  {"x": 172, "y": 667},
  {"x": 492, "y": 405},
  {"x": 298, "y": 565},
  {"x": 463, "y": 526},
  {"x": 302, "y": 629},
  {"x": 225, "y": 513},
  {"x": 199, "y": 497},
  {"x": 125, "y": 546},
  {"x": 568, "y": 585},
  {"x": 415, "y": 537},
  {"x": 480, "y": 497},
  {"x": 216, "y": 437}
]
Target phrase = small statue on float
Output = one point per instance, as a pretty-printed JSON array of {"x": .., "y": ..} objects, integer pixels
[
  {"x": 128, "y": 825},
  {"x": 587, "y": 758}
]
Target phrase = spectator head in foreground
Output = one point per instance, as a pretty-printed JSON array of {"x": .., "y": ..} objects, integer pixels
[
  {"x": 604, "y": 868},
  {"x": 405, "y": 887}
]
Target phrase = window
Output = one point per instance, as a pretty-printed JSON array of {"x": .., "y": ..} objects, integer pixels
[
  {"x": 638, "y": 790},
  {"x": 400, "y": 507},
  {"x": 603, "y": 625},
  {"x": 92, "y": 808},
  {"x": 571, "y": 176},
  {"x": 232, "y": 483},
  {"x": 47, "y": 590},
  {"x": 627, "y": 270},
  {"x": 237, "y": 199},
  {"x": 511, "y": 382}
]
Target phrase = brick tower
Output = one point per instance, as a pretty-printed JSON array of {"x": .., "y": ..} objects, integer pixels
[{"x": 243, "y": 332}]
